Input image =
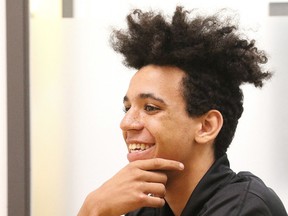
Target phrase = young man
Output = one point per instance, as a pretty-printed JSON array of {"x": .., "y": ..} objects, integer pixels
[{"x": 182, "y": 109}]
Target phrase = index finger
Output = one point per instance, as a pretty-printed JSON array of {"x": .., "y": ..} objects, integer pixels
[{"x": 159, "y": 164}]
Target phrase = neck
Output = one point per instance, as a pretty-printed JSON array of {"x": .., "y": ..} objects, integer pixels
[{"x": 180, "y": 186}]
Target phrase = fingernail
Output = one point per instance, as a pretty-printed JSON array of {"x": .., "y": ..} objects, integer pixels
[{"x": 181, "y": 165}]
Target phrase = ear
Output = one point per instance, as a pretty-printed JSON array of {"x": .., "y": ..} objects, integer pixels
[{"x": 210, "y": 125}]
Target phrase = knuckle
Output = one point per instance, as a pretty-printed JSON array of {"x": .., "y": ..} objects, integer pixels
[
  {"x": 134, "y": 171},
  {"x": 129, "y": 167},
  {"x": 157, "y": 162},
  {"x": 137, "y": 174},
  {"x": 141, "y": 185},
  {"x": 142, "y": 198},
  {"x": 132, "y": 165}
]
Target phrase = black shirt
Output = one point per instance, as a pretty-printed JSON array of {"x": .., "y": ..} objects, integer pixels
[{"x": 222, "y": 192}]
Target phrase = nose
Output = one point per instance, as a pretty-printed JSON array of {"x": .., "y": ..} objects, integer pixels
[{"x": 131, "y": 121}]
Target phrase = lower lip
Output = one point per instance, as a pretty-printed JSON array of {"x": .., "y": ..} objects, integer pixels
[{"x": 141, "y": 155}]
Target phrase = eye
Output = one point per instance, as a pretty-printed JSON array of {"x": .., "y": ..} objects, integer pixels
[
  {"x": 126, "y": 109},
  {"x": 151, "y": 108}
]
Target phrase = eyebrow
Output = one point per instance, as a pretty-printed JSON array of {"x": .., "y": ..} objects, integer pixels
[{"x": 144, "y": 96}]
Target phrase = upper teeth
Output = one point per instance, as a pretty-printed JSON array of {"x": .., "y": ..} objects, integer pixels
[{"x": 138, "y": 147}]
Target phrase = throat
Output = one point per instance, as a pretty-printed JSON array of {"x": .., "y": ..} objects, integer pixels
[
  {"x": 178, "y": 193},
  {"x": 180, "y": 187}
]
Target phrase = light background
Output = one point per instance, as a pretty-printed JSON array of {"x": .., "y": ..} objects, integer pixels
[
  {"x": 77, "y": 86},
  {"x": 3, "y": 112}
]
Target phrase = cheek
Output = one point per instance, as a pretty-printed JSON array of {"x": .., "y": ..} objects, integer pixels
[
  {"x": 176, "y": 128},
  {"x": 174, "y": 134},
  {"x": 173, "y": 139}
]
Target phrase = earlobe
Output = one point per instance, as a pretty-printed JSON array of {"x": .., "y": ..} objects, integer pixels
[{"x": 210, "y": 125}]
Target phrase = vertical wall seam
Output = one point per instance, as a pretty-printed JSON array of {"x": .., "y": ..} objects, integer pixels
[{"x": 18, "y": 131}]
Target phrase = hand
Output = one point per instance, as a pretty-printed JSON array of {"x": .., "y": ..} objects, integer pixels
[{"x": 129, "y": 188}]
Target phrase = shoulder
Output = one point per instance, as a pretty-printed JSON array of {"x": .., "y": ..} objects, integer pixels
[
  {"x": 258, "y": 197},
  {"x": 244, "y": 195}
]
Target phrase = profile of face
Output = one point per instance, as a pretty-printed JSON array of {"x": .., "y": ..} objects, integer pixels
[{"x": 156, "y": 123}]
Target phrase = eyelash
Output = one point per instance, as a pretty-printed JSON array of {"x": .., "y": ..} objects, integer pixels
[
  {"x": 150, "y": 108},
  {"x": 147, "y": 108},
  {"x": 126, "y": 109}
]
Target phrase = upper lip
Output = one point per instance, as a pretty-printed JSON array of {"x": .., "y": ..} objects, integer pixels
[{"x": 128, "y": 142}]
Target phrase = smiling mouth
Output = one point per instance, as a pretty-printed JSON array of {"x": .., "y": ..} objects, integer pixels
[{"x": 138, "y": 147}]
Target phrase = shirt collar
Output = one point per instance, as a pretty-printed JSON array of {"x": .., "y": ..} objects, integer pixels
[{"x": 216, "y": 177}]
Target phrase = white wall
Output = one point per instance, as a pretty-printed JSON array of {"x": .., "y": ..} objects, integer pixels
[
  {"x": 260, "y": 143},
  {"x": 77, "y": 130},
  {"x": 3, "y": 121}
]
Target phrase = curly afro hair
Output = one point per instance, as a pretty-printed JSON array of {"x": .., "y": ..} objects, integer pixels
[{"x": 215, "y": 58}]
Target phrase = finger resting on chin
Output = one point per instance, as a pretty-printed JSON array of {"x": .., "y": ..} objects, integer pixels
[{"x": 155, "y": 176}]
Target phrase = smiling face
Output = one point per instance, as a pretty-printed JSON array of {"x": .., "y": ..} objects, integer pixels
[{"x": 156, "y": 123}]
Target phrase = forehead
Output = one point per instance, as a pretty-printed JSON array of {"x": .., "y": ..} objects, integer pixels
[{"x": 158, "y": 80}]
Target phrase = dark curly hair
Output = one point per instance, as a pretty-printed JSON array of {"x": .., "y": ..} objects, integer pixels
[{"x": 214, "y": 56}]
